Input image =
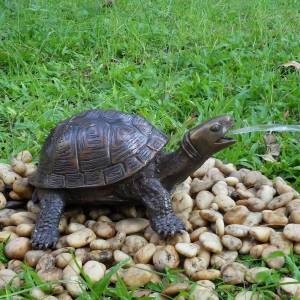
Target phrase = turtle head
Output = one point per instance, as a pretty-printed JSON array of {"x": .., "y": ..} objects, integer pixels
[{"x": 209, "y": 137}]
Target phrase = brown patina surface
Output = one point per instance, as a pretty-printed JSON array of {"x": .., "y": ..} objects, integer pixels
[{"x": 105, "y": 156}]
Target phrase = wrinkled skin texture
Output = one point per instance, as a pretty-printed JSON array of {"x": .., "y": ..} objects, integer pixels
[{"x": 150, "y": 185}]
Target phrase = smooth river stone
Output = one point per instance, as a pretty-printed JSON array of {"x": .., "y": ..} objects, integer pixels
[
  {"x": 211, "y": 242},
  {"x": 132, "y": 225},
  {"x": 175, "y": 288},
  {"x": 262, "y": 234},
  {"x": 275, "y": 218},
  {"x": 17, "y": 248},
  {"x": 292, "y": 232},
  {"x": 280, "y": 201},
  {"x": 237, "y": 230},
  {"x": 275, "y": 263},
  {"x": 144, "y": 254},
  {"x": 236, "y": 215},
  {"x": 209, "y": 274},
  {"x": 135, "y": 276},
  {"x": 187, "y": 250},
  {"x": 81, "y": 238},
  {"x": 281, "y": 242},
  {"x": 166, "y": 256},
  {"x": 9, "y": 277}
]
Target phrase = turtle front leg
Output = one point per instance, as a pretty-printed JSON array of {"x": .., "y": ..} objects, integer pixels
[
  {"x": 45, "y": 234},
  {"x": 157, "y": 201}
]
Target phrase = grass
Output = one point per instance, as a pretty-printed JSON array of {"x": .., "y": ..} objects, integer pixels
[
  {"x": 165, "y": 60},
  {"x": 174, "y": 62}
]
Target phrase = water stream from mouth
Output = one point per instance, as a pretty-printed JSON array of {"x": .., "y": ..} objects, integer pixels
[{"x": 267, "y": 127}]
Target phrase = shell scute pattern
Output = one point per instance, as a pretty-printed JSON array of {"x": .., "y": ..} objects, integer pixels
[{"x": 96, "y": 148}]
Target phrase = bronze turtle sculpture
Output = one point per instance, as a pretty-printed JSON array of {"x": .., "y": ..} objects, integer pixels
[{"x": 107, "y": 156}]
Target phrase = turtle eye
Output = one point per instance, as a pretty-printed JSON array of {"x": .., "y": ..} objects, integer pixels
[{"x": 215, "y": 127}]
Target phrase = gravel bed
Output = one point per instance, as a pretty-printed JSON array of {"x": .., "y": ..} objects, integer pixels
[{"x": 227, "y": 212}]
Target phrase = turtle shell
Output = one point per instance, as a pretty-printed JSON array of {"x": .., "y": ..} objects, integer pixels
[{"x": 96, "y": 148}]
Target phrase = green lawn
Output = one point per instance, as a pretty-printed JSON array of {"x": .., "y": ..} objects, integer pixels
[
  {"x": 177, "y": 63},
  {"x": 165, "y": 60}
]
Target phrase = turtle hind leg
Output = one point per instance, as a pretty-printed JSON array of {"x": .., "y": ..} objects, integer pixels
[
  {"x": 158, "y": 203},
  {"x": 45, "y": 234}
]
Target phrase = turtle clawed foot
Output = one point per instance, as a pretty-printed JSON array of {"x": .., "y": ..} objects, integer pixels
[
  {"x": 42, "y": 239},
  {"x": 167, "y": 225}
]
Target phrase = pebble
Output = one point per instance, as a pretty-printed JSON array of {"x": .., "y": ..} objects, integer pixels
[
  {"x": 292, "y": 232},
  {"x": 208, "y": 164},
  {"x": 74, "y": 287},
  {"x": 175, "y": 288},
  {"x": 24, "y": 230},
  {"x": 4, "y": 235},
  {"x": 94, "y": 269},
  {"x": 248, "y": 295},
  {"x": 231, "y": 243},
  {"x": 289, "y": 290},
  {"x": 294, "y": 205},
  {"x": 266, "y": 193},
  {"x": 33, "y": 256},
  {"x": 200, "y": 185},
  {"x": 294, "y": 217},
  {"x": 7, "y": 276},
  {"x": 280, "y": 201},
  {"x": 133, "y": 243},
  {"x": 220, "y": 259},
  {"x": 220, "y": 188},
  {"x": 220, "y": 227},
  {"x": 252, "y": 274},
  {"x": 210, "y": 215},
  {"x": 72, "y": 269},
  {"x": 100, "y": 244},
  {"x": 213, "y": 174},
  {"x": 256, "y": 250},
  {"x": 120, "y": 256},
  {"x": 23, "y": 218},
  {"x": 132, "y": 225},
  {"x": 261, "y": 234},
  {"x": 276, "y": 218},
  {"x": 145, "y": 254},
  {"x": 204, "y": 199},
  {"x": 49, "y": 275},
  {"x": 81, "y": 238},
  {"x": 236, "y": 215},
  {"x": 233, "y": 273},
  {"x": 104, "y": 229},
  {"x": 209, "y": 274},
  {"x": 231, "y": 181},
  {"x": 251, "y": 178},
  {"x": 17, "y": 248},
  {"x": 206, "y": 284},
  {"x": 237, "y": 230},
  {"x": 224, "y": 202},
  {"x": 253, "y": 219},
  {"x": 63, "y": 259},
  {"x": 275, "y": 263},
  {"x": 166, "y": 256},
  {"x": 203, "y": 294},
  {"x": 194, "y": 264},
  {"x": 182, "y": 202},
  {"x": 2, "y": 199},
  {"x": 211, "y": 242},
  {"x": 135, "y": 277},
  {"x": 72, "y": 227},
  {"x": 281, "y": 242},
  {"x": 255, "y": 204}
]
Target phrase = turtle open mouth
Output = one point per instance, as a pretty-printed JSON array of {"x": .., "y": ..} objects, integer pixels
[{"x": 225, "y": 140}]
